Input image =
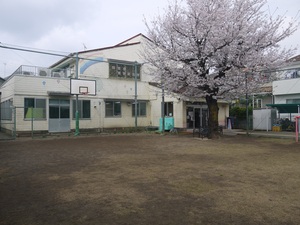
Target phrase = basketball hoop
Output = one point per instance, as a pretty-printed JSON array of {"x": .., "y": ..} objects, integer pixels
[
  {"x": 84, "y": 93},
  {"x": 82, "y": 87},
  {"x": 83, "y": 90}
]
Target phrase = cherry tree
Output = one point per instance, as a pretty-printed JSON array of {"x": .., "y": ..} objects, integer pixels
[{"x": 210, "y": 48}]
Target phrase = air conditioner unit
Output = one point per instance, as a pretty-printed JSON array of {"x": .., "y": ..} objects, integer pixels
[
  {"x": 43, "y": 72},
  {"x": 26, "y": 73},
  {"x": 56, "y": 74}
]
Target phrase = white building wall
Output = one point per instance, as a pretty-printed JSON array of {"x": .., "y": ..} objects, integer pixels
[
  {"x": 8, "y": 89},
  {"x": 281, "y": 99},
  {"x": 286, "y": 87},
  {"x": 39, "y": 86},
  {"x": 180, "y": 120},
  {"x": 223, "y": 113},
  {"x": 130, "y": 53},
  {"x": 121, "y": 89},
  {"x": 284, "y": 90},
  {"x": 23, "y": 124},
  {"x": 179, "y": 114}
]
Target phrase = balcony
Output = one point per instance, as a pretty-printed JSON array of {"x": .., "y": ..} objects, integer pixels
[{"x": 43, "y": 72}]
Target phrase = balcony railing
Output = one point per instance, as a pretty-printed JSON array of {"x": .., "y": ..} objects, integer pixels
[
  {"x": 289, "y": 74},
  {"x": 43, "y": 72}
]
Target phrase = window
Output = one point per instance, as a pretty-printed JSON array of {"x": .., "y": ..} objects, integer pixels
[
  {"x": 122, "y": 69},
  {"x": 59, "y": 109},
  {"x": 112, "y": 108},
  {"x": 258, "y": 103},
  {"x": 141, "y": 109},
  {"x": 292, "y": 101},
  {"x": 84, "y": 109},
  {"x": 168, "y": 108},
  {"x": 34, "y": 108},
  {"x": 6, "y": 110}
]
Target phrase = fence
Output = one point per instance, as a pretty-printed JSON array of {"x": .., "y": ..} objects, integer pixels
[
  {"x": 7, "y": 122},
  {"x": 241, "y": 123}
]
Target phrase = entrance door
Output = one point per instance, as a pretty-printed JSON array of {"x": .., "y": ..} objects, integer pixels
[
  {"x": 197, "y": 117},
  {"x": 59, "y": 115},
  {"x": 204, "y": 117}
]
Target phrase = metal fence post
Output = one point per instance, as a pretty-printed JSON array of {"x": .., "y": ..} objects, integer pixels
[{"x": 15, "y": 123}]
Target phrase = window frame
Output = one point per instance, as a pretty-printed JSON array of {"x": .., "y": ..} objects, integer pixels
[
  {"x": 116, "y": 113},
  {"x": 35, "y": 104},
  {"x": 167, "y": 109},
  {"x": 123, "y": 70},
  {"x": 81, "y": 109},
  {"x": 293, "y": 101},
  {"x": 139, "y": 109}
]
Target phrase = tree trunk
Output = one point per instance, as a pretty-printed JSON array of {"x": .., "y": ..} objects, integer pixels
[{"x": 213, "y": 118}]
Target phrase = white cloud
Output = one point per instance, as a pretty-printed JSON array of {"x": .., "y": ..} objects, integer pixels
[{"x": 65, "y": 25}]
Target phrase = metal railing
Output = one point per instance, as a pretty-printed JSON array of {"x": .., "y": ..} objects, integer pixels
[{"x": 43, "y": 72}]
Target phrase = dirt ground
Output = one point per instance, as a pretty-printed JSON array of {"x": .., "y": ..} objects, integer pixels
[{"x": 149, "y": 179}]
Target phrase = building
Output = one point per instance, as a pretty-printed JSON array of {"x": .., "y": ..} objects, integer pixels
[
  {"x": 286, "y": 90},
  {"x": 115, "y": 91},
  {"x": 280, "y": 99}
]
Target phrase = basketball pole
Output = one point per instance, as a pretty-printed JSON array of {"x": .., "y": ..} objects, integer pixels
[
  {"x": 135, "y": 95},
  {"x": 77, "y": 113}
]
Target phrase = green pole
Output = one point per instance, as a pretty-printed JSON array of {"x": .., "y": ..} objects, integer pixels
[
  {"x": 77, "y": 118},
  {"x": 135, "y": 95},
  {"x": 77, "y": 113},
  {"x": 163, "y": 107}
]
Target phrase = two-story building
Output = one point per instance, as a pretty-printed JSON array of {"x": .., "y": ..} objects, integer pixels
[
  {"x": 286, "y": 90},
  {"x": 115, "y": 91}
]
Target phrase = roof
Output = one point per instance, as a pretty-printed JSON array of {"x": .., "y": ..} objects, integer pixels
[
  {"x": 286, "y": 108},
  {"x": 294, "y": 59},
  {"x": 127, "y": 42}
]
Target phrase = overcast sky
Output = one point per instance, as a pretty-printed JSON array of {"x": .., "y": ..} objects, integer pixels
[{"x": 67, "y": 26}]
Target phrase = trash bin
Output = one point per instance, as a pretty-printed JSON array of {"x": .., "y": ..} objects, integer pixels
[{"x": 169, "y": 123}]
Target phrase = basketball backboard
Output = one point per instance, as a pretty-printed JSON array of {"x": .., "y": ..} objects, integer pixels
[{"x": 82, "y": 87}]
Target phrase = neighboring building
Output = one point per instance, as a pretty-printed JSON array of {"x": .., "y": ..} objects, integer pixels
[
  {"x": 43, "y": 101},
  {"x": 286, "y": 90},
  {"x": 280, "y": 99},
  {"x": 262, "y": 97},
  {"x": 286, "y": 97}
]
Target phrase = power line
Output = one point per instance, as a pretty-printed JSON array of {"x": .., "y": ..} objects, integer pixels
[
  {"x": 70, "y": 55},
  {"x": 35, "y": 51}
]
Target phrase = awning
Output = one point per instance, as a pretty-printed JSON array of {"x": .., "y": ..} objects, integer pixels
[
  {"x": 286, "y": 108},
  {"x": 58, "y": 93},
  {"x": 125, "y": 100}
]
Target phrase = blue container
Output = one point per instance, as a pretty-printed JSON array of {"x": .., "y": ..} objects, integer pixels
[{"x": 169, "y": 123}]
